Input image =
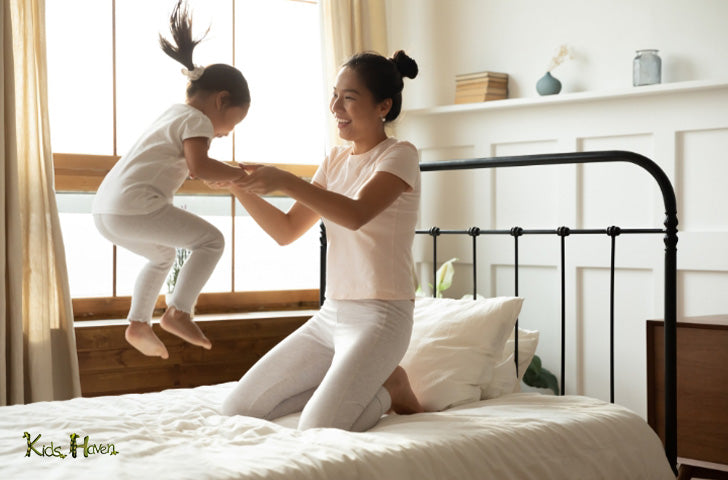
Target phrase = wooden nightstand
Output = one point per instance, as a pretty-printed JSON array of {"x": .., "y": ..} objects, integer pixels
[{"x": 702, "y": 393}]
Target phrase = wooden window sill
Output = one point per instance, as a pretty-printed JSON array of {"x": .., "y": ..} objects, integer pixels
[
  {"x": 84, "y": 173},
  {"x": 105, "y": 308},
  {"x": 208, "y": 317}
]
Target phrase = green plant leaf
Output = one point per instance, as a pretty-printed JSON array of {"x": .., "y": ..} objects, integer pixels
[
  {"x": 179, "y": 260},
  {"x": 443, "y": 278},
  {"x": 539, "y": 377}
]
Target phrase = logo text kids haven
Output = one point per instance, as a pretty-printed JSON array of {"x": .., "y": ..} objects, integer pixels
[{"x": 85, "y": 448}]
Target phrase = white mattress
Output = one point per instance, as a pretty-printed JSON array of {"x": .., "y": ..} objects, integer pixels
[{"x": 180, "y": 434}]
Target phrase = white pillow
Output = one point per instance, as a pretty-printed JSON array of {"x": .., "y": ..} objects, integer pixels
[
  {"x": 504, "y": 379},
  {"x": 454, "y": 347}
]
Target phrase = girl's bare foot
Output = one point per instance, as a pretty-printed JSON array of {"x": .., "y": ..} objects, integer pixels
[
  {"x": 141, "y": 336},
  {"x": 180, "y": 323},
  {"x": 404, "y": 401}
]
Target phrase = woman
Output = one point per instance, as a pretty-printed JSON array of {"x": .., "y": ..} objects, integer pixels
[{"x": 341, "y": 367}]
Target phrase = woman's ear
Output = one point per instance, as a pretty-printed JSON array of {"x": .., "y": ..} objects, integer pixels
[{"x": 384, "y": 107}]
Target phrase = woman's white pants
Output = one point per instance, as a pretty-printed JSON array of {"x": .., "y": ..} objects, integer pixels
[{"x": 331, "y": 369}]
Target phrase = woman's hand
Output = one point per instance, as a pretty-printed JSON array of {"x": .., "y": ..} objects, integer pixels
[
  {"x": 219, "y": 185},
  {"x": 261, "y": 179},
  {"x": 224, "y": 184}
]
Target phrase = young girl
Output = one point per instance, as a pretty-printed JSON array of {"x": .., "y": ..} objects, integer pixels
[
  {"x": 133, "y": 206},
  {"x": 341, "y": 367}
]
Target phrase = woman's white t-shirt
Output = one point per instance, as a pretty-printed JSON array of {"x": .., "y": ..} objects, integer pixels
[
  {"x": 146, "y": 178},
  {"x": 374, "y": 262}
]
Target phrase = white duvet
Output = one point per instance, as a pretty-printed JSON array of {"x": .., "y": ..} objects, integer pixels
[{"x": 180, "y": 434}]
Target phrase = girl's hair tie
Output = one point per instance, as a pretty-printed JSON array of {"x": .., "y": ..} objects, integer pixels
[{"x": 193, "y": 74}]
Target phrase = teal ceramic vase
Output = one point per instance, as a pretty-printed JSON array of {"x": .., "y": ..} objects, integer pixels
[{"x": 548, "y": 85}]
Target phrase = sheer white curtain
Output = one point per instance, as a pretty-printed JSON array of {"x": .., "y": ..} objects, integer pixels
[
  {"x": 350, "y": 26},
  {"x": 37, "y": 342}
]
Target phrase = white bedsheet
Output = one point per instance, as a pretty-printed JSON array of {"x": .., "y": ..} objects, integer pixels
[{"x": 180, "y": 434}]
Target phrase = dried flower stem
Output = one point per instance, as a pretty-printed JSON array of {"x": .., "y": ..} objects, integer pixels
[{"x": 562, "y": 54}]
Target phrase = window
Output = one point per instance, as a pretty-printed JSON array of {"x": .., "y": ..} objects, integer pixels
[{"x": 108, "y": 79}]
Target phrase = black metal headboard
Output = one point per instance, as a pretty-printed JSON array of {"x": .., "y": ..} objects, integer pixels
[{"x": 670, "y": 272}]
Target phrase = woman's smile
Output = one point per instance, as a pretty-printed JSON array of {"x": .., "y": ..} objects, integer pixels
[{"x": 342, "y": 122}]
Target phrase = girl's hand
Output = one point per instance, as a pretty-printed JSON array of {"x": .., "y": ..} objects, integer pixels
[
  {"x": 261, "y": 179},
  {"x": 249, "y": 167},
  {"x": 219, "y": 185}
]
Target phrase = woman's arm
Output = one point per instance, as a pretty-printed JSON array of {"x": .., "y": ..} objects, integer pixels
[
  {"x": 284, "y": 228},
  {"x": 203, "y": 167},
  {"x": 378, "y": 193}
]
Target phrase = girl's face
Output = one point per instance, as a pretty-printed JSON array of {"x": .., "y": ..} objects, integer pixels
[
  {"x": 225, "y": 117},
  {"x": 358, "y": 116}
]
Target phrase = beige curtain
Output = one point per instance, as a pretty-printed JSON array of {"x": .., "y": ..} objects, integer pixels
[
  {"x": 37, "y": 340},
  {"x": 350, "y": 26}
]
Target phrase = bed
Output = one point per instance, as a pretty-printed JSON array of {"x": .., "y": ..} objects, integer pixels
[{"x": 482, "y": 428}]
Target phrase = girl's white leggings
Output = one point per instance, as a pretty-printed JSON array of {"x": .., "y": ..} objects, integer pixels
[
  {"x": 156, "y": 236},
  {"x": 331, "y": 369}
]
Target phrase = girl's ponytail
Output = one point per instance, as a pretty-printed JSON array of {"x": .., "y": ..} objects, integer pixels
[
  {"x": 218, "y": 77},
  {"x": 180, "y": 25}
]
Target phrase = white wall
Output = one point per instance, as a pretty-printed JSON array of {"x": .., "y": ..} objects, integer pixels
[
  {"x": 519, "y": 37},
  {"x": 682, "y": 125}
]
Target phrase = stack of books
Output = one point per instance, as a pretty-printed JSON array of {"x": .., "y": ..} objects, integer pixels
[{"x": 481, "y": 87}]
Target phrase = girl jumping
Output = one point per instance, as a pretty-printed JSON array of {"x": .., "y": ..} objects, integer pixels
[{"x": 133, "y": 206}]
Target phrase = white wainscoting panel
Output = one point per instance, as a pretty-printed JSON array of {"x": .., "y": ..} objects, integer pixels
[
  {"x": 633, "y": 303},
  {"x": 617, "y": 194},
  {"x": 516, "y": 188},
  {"x": 683, "y": 128},
  {"x": 702, "y": 157},
  {"x": 541, "y": 306},
  {"x": 704, "y": 292}
]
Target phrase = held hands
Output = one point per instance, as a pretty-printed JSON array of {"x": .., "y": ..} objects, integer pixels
[
  {"x": 219, "y": 185},
  {"x": 261, "y": 179},
  {"x": 226, "y": 184}
]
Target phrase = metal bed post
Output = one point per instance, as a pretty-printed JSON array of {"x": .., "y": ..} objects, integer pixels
[
  {"x": 612, "y": 232},
  {"x": 474, "y": 232},
  {"x": 670, "y": 328},
  {"x": 434, "y": 232},
  {"x": 563, "y": 232},
  {"x": 516, "y": 232},
  {"x": 322, "y": 267}
]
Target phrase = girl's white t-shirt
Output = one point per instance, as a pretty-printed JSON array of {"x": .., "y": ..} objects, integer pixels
[
  {"x": 374, "y": 262},
  {"x": 147, "y": 177}
]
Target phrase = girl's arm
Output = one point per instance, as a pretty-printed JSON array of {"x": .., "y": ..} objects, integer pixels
[
  {"x": 378, "y": 193},
  {"x": 284, "y": 228},
  {"x": 203, "y": 167}
]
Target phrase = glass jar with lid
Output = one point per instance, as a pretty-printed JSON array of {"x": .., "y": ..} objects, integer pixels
[{"x": 646, "y": 68}]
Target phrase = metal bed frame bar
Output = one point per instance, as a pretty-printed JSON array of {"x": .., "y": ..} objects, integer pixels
[{"x": 670, "y": 240}]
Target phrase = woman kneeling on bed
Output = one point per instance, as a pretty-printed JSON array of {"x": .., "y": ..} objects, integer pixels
[{"x": 340, "y": 369}]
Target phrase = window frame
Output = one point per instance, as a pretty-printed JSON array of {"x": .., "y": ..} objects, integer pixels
[{"x": 83, "y": 173}]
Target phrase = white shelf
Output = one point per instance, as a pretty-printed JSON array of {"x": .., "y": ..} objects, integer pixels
[{"x": 564, "y": 98}]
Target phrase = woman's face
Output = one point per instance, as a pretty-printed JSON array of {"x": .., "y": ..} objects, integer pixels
[{"x": 358, "y": 116}]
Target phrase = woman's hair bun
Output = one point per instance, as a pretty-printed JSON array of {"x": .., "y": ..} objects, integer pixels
[{"x": 405, "y": 64}]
